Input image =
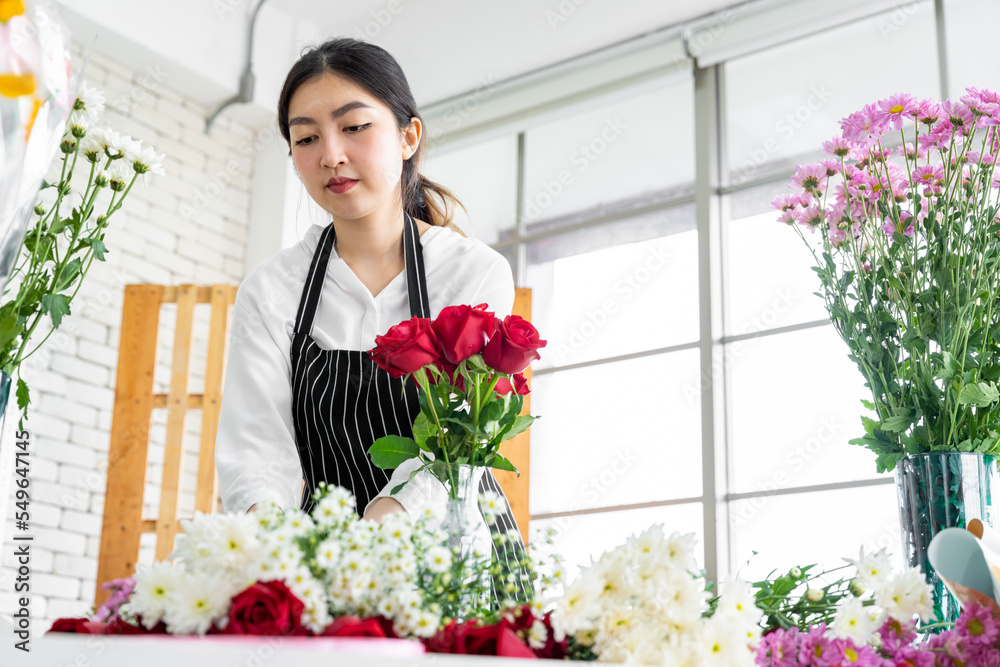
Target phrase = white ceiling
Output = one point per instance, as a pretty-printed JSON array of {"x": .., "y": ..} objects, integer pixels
[{"x": 450, "y": 47}]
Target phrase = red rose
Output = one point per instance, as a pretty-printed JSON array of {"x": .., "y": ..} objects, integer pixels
[
  {"x": 504, "y": 387},
  {"x": 513, "y": 345},
  {"x": 406, "y": 347},
  {"x": 352, "y": 626},
  {"x": 266, "y": 608},
  {"x": 498, "y": 640},
  {"x": 463, "y": 330},
  {"x": 80, "y": 626}
]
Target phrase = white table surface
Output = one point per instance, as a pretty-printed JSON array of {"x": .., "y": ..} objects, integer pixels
[{"x": 71, "y": 650}]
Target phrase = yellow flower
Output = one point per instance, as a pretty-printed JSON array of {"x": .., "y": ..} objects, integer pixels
[
  {"x": 10, "y": 8},
  {"x": 16, "y": 85}
]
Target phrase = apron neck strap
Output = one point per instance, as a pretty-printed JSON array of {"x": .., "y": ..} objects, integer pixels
[{"x": 413, "y": 258}]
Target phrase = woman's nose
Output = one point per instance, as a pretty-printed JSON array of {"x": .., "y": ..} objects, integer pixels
[{"x": 333, "y": 151}]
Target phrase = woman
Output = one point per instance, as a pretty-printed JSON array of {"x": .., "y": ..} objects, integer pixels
[{"x": 303, "y": 401}]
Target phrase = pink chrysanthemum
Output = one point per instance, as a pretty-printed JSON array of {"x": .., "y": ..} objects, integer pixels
[
  {"x": 905, "y": 225},
  {"x": 810, "y": 177},
  {"x": 911, "y": 153},
  {"x": 810, "y": 216},
  {"x": 832, "y": 166},
  {"x": 977, "y": 626},
  {"x": 959, "y": 115},
  {"x": 863, "y": 127},
  {"x": 931, "y": 177},
  {"x": 838, "y": 147},
  {"x": 893, "y": 110},
  {"x": 929, "y": 112}
]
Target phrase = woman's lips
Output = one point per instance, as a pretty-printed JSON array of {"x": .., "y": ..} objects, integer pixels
[{"x": 340, "y": 188}]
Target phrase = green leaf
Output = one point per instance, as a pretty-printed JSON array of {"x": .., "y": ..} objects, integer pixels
[
  {"x": 56, "y": 305},
  {"x": 421, "y": 431},
  {"x": 500, "y": 463},
  {"x": 897, "y": 423},
  {"x": 391, "y": 450},
  {"x": 868, "y": 404},
  {"x": 9, "y": 330},
  {"x": 979, "y": 394},
  {"x": 22, "y": 394},
  {"x": 69, "y": 274},
  {"x": 97, "y": 245}
]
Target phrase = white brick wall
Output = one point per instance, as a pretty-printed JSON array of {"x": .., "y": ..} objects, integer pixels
[{"x": 187, "y": 226}]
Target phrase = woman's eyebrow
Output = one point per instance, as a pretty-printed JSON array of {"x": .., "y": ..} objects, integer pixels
[{"x": 337, "y": 113}]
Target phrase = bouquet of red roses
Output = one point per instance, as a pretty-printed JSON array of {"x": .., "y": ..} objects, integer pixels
[{"x": 467, "y": 363}]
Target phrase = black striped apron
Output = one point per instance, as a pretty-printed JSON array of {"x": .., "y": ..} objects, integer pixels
[{"x": 342, "y": 402}]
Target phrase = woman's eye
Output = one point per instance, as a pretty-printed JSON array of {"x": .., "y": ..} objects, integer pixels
[
  {"x": 354, "y": 127},
  {"x": 303, "y": 142}
]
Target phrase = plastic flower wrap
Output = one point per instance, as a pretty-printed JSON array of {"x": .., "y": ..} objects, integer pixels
[{"x": 36, "y": 98}]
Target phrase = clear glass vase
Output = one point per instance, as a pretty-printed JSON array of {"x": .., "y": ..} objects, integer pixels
[
  {"x": 941, "y": 490},
  {"x": 469, "y": 536}
]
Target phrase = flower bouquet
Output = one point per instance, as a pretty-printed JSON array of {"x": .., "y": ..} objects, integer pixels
[
  {"x": 324, "y": 574},
  {"x": 467, "y": 364},
  {"x": 907, "y": 260}
]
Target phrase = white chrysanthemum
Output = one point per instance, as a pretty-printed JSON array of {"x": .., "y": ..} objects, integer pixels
[
  {"x": 579, "y": 606},
  {"x": 298, "y": 523},
  {"x": 678, "y": 551},
  {"x": 853, "y": 620},
  {"x": 906, "y": 594},
  {"x": 874, "y": 569},
  {"x": 147, "y": 160},
  {"x": 120, "y": 173},
  {"x": 738, "y": 603},
  {"x": 335, "y": 507},
  {"x": 438, "y": 559},
  {"x": 492, "y": 505},
  {"x": 91, "y": 102},
  {"x": 116, "y": 143},
  {"x": 682, "y": 598},
  {"x": 328, "y": 553},
  {"x": 92, "y": 145},
  {"x": 723, "y": 646},
  {"x": 154, "y": 584},
  {"x": 201, "y": 600},
  {"x": 220, "y": 543},
  {"x": 425, "y": 624}
]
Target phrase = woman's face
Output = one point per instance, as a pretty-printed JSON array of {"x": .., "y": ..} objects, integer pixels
[{"x": 338, "y": 130}]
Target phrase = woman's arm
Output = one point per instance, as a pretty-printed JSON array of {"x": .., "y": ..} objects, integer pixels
[{"x": 255, "y": 452}]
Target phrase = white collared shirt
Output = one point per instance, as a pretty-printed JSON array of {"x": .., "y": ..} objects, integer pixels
[{"x": 255, "y": 452}]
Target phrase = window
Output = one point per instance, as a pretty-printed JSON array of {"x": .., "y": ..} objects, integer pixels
[{"x": 608, "y": 241}]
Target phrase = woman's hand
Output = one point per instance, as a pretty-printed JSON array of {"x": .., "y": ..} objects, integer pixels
[{"x": 381, "y": 508}]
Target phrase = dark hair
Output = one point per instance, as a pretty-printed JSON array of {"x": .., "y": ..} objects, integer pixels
[{"x": 371, "y": 67}]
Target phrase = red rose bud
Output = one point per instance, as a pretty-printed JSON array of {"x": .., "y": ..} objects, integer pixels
[
  {"x": 513, "y": 345},
  {"x": 463, "y": 330},
  {"x": 406, "y": 347},
  {"x": 268, "y": 608},
  {"x": 503, "y": 386}
]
